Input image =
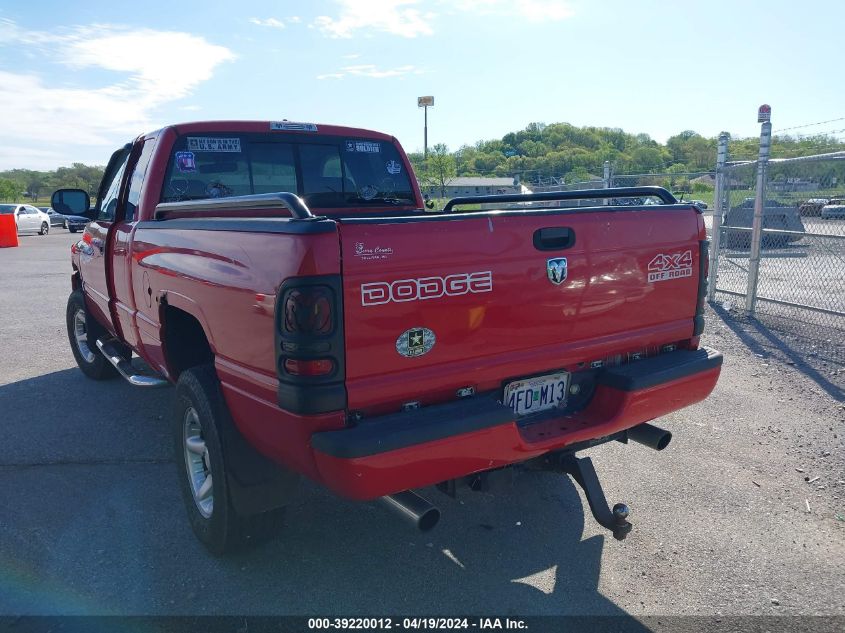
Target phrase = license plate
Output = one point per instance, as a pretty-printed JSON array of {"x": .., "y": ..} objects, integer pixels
[{"x": 540, "y": 393}]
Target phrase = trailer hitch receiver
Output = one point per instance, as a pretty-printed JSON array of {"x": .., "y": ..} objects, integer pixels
[{"x": 582, "y": 471}]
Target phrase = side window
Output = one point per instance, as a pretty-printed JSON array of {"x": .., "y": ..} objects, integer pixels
[
  {"x": 108, "y": 205},
  {"x": 137, "y": 180}
]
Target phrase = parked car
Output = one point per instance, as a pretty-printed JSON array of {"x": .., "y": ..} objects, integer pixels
[
  {"x": 813, "y": 206},
  {"x": 56, "y": 218},
  {"x": 28, "y": 219},
  {"x": 74, "y": 223},
  {"x": 776, "y": 216},
  {"x": 317, "y": 321},
  {"x": 834, "y": 210}
]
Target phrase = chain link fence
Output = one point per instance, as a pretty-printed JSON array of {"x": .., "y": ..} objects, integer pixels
[{"x": 800, "y": 278}]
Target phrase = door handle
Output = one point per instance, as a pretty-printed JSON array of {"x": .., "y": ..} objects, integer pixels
[{"x": 554, "y": 238}]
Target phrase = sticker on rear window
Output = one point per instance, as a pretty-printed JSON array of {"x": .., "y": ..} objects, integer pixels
[
  {"x": 213, "y": 144},
  {"x": 185, "y": 162},
  {"x": 666, "y": 266},
  {"x": 365, "y": 147},
  {"x": 393, "y": 167}
]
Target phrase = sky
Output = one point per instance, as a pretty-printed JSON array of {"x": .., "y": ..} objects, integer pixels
[{"x": 78, "y": 79}]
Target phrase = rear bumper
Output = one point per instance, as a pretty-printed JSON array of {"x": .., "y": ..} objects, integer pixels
[{"x": 433, "y": 444}]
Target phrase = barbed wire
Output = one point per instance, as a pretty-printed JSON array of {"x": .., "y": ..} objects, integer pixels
[{"x": 798, "y": 127}]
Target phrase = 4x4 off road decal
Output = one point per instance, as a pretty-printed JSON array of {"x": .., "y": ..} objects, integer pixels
[
  {"x": 380, "y": 292},
  {"x": 667, "y": 266},
  {"x": 415, "y": 342}
]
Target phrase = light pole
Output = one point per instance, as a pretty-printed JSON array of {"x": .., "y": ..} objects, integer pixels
[{"x": 425, "y": 103}]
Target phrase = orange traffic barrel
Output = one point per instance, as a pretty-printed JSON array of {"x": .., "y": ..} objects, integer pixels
[{"x": 8, "y": 231}]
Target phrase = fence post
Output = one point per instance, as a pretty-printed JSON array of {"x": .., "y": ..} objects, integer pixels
[
  {"x": 759, "y": 204},
  {"x": 718, "y": 212}
]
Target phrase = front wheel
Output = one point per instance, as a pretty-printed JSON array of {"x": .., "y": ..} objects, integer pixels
[
  {"x": 45, "y": 228},
  {"x": 82, "y": 331},
  {"x": 202, "y": 431},
  {"x": 72, "y": 230}
]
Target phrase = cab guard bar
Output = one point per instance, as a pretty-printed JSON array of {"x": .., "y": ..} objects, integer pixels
[
  {"x": 259, "y": 201},
  {"x": 578, "y": 194}
]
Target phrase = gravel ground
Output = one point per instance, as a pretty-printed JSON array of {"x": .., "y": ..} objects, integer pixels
[{"x": 743, "y": 514}]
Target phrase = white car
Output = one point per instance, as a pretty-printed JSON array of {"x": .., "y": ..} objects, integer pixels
[
  {"x": 28, "y": 219},
  {"x": 834, "y": 209}
]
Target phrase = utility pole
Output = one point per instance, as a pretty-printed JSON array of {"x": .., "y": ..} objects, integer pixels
[{"x": 425, "y": 103}]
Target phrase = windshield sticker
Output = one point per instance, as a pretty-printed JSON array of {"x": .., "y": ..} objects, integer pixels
[
  {"x": 415, "y": 342},
  {"x": 365, "y": 147},
  {"x": 211, "y": 144},
  {"x": 664, "y": 267},
  {"x": 394, "y": 167},
  {"x": 185, "y": 162}
]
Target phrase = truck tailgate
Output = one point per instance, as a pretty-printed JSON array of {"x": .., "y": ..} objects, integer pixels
[{"x": 440, "y": 303}]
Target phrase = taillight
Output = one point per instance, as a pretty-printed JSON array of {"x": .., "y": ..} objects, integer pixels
[
  {"x": 310, "y": 350},
  {"x": 319, "y": 367},
  {"x": 308, "y": 310}
]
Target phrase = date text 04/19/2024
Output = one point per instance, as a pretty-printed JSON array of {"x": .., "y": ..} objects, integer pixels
[{"x": 420, "y": 623}]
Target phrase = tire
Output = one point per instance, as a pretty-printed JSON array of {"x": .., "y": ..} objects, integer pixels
[
  {"x": 72, "y": 230},
  {"x": 45, "y": 228},
  {"x": 82, "y": 333},
  {"x": 202, "y": 431}
]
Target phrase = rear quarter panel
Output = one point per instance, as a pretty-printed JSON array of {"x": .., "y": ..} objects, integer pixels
[{"x": 228, "y": 282}]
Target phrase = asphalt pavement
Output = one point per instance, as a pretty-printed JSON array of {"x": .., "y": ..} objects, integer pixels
[{"x": 744, "y": 513}]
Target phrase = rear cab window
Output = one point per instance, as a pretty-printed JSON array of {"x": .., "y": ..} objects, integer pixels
[{"x": 328, "y": 172}]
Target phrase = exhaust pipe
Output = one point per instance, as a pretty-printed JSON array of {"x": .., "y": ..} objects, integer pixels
[
  {"x": 413, "y": 508},
  {"x": 651, "y": 436}
]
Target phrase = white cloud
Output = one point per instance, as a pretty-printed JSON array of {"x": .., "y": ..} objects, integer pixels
[
  {"x": 407, "y": 18},
  {"x": 152, "y": 68},
  {"x": 271, "y": 22},
  {"x": 534, "y": 10},
  {"x": 372, "y": 71},
  {"x": 398, "y": 17}
]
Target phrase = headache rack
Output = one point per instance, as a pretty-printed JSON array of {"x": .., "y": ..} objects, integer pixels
[
  {"x": 234, "y": 206},
  {"x": 553, "y": 196}
]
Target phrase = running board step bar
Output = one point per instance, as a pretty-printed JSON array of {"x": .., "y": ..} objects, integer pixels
[{"x": 131, "y": 373}]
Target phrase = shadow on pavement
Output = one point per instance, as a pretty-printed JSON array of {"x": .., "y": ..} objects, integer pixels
[
  {"x": 91, "y": 522},
  {"x": 806, "y": 349}
]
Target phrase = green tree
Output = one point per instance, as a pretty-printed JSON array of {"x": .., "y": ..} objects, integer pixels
[{"x": 440, "y": 167}]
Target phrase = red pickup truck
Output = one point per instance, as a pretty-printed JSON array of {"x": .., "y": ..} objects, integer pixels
[{"x": 316, "y": 320}]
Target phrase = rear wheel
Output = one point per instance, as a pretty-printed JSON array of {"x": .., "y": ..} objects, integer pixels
[
  {"x": 82, "y": 333},
  {"x": 203, "y": 431},
  {"x": 45, "y": 228}
]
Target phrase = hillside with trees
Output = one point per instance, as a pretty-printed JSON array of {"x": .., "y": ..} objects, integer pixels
[
  {"x": 25, "y": 184},
  {"x": 578, "y": 153}
]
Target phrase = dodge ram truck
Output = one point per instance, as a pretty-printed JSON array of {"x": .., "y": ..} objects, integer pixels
[{"x": 317, "y": 320}]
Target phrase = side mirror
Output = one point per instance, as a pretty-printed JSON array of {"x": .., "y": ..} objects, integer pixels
[
  {"x": 429, "y": 204},
  {"x": 72, "y": 202}
]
